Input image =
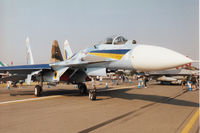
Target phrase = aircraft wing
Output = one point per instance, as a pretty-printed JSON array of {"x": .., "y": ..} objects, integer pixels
[
  {"x": 28, "y": 69},
  {"x": 14, "y": 77},
  {"x": 87, "y": 64},
  {"x": 86, "y": 61},
  {"x": 24, "y": 69},
  {"x": 82, "y": 64}
]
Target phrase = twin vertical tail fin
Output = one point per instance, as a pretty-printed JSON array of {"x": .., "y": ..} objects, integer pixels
[
  {"x": 67, "y": 50},
  {"x": 56, "y": 55},
  {"x": 29, "y": 56},
  {"x": 29, "y": 59}
]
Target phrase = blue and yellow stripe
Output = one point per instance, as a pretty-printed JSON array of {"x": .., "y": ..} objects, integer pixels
[{"x": 114, "y": 54}]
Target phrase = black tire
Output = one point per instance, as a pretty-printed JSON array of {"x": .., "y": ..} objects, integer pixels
[
  {"x": 82, "y": 88},
  {"x": 92, "y": 95},
  {"x": 38, "y": 91},
  {"x": 85, "y": 89}
]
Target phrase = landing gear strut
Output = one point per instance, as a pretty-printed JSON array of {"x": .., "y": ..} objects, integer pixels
[
  {"x": 92, "y": 92},
  {"x": 82, "y": 88},
  {"x": 38, "y": 88}
]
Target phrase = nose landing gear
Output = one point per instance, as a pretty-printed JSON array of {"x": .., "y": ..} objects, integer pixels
[
  {"x": 83, "y": 91},
  {"x": 92, "y": 94}
]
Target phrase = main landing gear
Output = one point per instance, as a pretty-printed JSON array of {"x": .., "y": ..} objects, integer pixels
[
  {"x": 83, "y": 91},
  {"x": 82, "y": 88},
  {"x": 38, "y": 88}
]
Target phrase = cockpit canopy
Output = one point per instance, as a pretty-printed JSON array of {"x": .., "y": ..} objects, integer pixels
[{"x": 115, "y": 40}]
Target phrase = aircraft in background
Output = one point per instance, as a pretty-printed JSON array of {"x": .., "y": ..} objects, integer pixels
[
  {"x": 29, "y": 56},
  {"x": 15, "y": 78},
  {"x": 2, "y": 64},
  {"x": 172, "y": 76},
  {"x": 114, "y": 53}
]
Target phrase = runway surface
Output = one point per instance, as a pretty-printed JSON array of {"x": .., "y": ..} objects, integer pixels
[{"x": 122, "y": 108}]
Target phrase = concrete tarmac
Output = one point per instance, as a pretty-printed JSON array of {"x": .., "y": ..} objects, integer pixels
[{"x": 122, "y": 108}]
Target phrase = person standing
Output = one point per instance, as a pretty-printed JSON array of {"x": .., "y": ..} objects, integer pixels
[
  {"x": 139, "y": 81},
  {"x": 197, "y": 82},
  {"x": 183, "y": 82},
  {"x": 145, "y": 81},
  {"x": 194, "y": 82},
  {"x": 113, "y": 79},
  {"x": 189, "y": 83}
]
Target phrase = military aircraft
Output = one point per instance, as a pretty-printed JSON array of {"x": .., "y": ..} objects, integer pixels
[
  {"x": 29, "y": 56},
  {"x": 15, "y": 78},
  {"x": 2, "y": 64},
  {"x": 172, "y": 76},
  {"x": 113, "y": 53}
]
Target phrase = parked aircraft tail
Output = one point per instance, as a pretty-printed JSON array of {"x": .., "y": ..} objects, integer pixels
[
  {"x": 67, "y": 50},
  {"x": 29, "y": 59},
  {"x": 29, "y": 56},
  {"x": 2, "y": 64},
  {"x": 56, "y": 55}
]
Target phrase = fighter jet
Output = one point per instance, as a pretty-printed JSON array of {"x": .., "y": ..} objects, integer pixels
[
  {"x": 172, "y": 76},
  {"x": 113, "y": 53},
  {"x": 2, "y": 64},
  {"x": 29, "y": 56},
  {"x": 20, "y": 77}
]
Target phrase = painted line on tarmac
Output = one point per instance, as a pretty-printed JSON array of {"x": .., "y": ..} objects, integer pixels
[
  {"x": 191, "y": 122},
  {"x": 49, "y": 97},
  {"x": 29, "y": 99}
]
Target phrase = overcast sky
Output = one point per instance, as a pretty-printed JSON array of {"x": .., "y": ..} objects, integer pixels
[{"x": 169, "y": 23}]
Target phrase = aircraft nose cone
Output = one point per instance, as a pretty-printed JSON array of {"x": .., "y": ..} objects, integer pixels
[{"x": 151, "y": 58}]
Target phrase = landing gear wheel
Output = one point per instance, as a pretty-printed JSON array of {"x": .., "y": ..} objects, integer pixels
[
  {"x": 82, "y": 88},
  {"x": 38, "y": 91},
  {"x": 92, "y": 95}
]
